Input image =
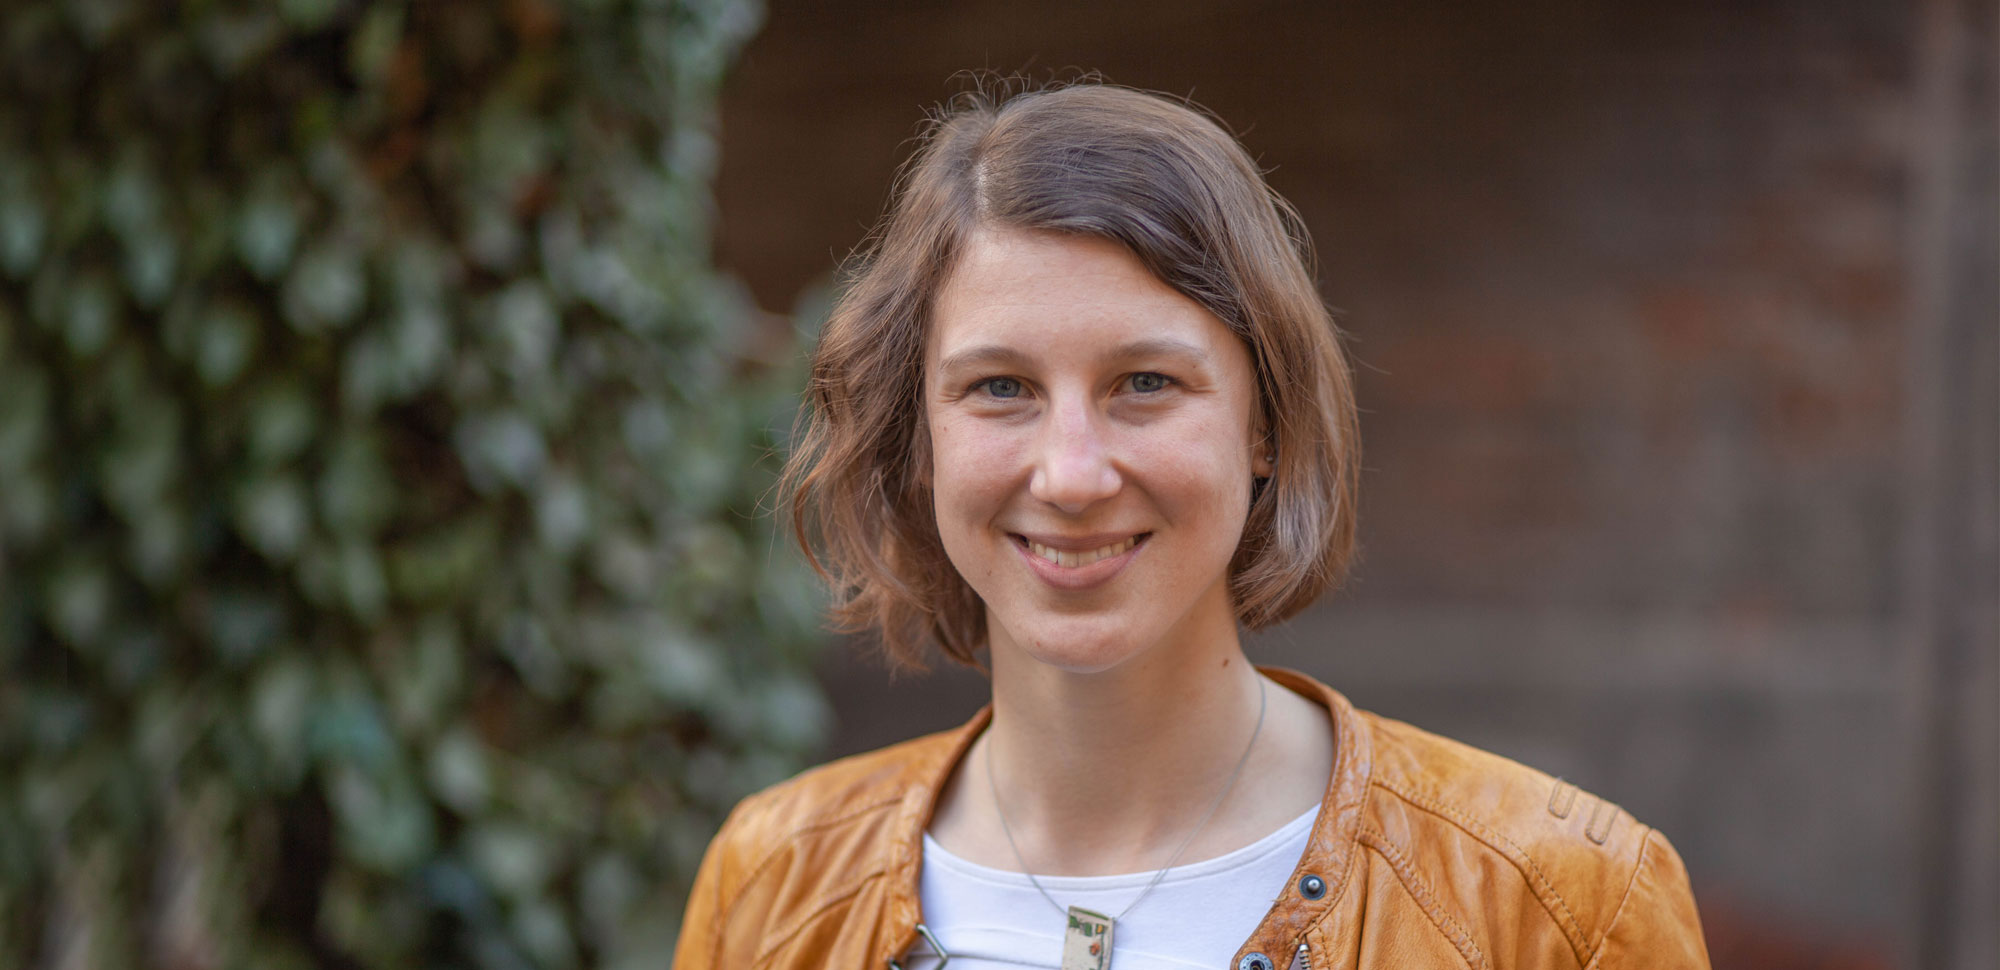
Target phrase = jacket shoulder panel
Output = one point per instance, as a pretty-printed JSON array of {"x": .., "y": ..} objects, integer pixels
[
  {"x": 1479, "y": 822},
  {"x": 793, "y": 854},
  {"x": 837, "y": 791},
  {"x": 820, "y": 803}
]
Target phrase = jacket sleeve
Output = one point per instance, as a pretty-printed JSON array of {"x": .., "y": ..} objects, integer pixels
[
  {"x": 700, "y": 946},
  {"x": 1655, "y": 925}
]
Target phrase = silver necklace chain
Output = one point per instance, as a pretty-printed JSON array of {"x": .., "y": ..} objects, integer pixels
[{"x": 1227, "y": 787}]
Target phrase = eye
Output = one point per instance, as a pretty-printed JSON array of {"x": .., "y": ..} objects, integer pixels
[
  {"x": 1000, "y": 387},
  {"x": 1148, "y": 382}
]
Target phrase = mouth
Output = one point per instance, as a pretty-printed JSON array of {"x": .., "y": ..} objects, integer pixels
[{"x": 1073, "y": 558}]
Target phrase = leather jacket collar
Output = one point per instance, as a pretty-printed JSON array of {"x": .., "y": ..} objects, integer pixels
[
  {"x": 1426, "y": 852},
  {"x": 1327, "y": 850}
]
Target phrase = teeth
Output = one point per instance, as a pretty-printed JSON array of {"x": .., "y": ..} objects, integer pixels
[{"x": 1071, "y": 560}]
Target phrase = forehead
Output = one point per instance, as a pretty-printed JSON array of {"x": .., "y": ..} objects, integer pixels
[{"x": 1059, "y": 293}]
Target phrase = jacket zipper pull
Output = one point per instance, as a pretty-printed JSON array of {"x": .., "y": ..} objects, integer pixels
[{"x": 1302, "y": 958}]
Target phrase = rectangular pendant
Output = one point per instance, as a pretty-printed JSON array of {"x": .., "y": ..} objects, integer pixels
[{"x": 1086, "y": 940}]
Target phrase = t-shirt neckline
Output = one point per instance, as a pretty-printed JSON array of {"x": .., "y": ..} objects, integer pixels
[{"x": 1238, "y": 858}]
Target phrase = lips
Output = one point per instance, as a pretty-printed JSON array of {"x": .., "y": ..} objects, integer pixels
[
  {"x": 1069, "y": 559},
  {"x": 1079, "y": 562}
]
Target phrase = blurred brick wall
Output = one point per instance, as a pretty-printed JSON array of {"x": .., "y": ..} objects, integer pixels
[{"x": 1675, "y": 326}]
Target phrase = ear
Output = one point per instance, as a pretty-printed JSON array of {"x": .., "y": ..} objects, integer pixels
[{"x": 1263, "y": 452}]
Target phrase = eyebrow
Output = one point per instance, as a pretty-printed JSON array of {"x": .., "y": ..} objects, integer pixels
[{"x": 1004, "y": 356}]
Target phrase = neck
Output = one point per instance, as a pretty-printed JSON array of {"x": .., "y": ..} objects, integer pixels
[{"x": 1158, "y": 734}]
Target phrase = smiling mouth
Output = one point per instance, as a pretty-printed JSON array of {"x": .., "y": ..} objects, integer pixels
[{"x": 1069, "y": 559}]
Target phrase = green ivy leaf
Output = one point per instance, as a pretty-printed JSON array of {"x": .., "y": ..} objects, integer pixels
[
  {"x": 308, "y": 15},
  {"x": 375, "y": 41},
  {"x": 24, "y": 416},
  {"x": 384, "y": 821},
  {"x": 79, "y": 601},
  {"x": 418, "y": 347},
  {"x": 282, "y": 421},
  {"x": 142, "y": 458},
  {"x": 90, "y": 314},
  {"x": 499, "y": 449},
  {"x": 562, "y": 514},
  {"x": 515, "y": 859},
  {"x": 792, "y": 714},
  {"x": 525, "y": 328},
  {"x": 267, "y": 226},
  {"x": 363, "y": 588},
  {"x": 132, "y": 202},
  {"x": 280, "y": 698},
  {"x": 234, "y": 37},
  {"x": 325, "y": 289},
  {"x": 243, "y": 623},
  {"x": 160, "y": 545},
  {"x": 459, "y": 772},
  {"x": 271, "y": 514},
  {"x": 225, "y": 339},
  {"x": 423, "y": 675},
  {"x": 151, "y": 260},
  {"x": 29, "y": 504},
  {"x": 439, "y": 564},
  {"x": 23, "y": 221},
  {"x": 57, "y": 720},
  {"x": 544, "y": 932},
  {"x": 680, "y": 666},
  {"x": 357, "y": 496},
  {"x": 347, "y": 727}
]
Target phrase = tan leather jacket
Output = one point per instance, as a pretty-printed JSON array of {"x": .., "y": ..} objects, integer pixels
[{"x": 1426, "y": 853}]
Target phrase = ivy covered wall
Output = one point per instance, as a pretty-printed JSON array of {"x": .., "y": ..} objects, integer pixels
[{"x": 382, "y": 582}]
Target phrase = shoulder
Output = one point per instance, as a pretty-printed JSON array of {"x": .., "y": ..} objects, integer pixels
[
  {"x": 855, "y": 808},
  {"x": 840, "y": 789},
  {"x": 1509, "y": 854},
  {"x": 800, "y": 867}
]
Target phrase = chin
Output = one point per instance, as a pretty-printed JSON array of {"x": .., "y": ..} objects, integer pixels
[{"x": 1081, "y": 646}]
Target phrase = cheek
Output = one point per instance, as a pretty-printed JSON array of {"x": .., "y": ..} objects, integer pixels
[
  {"x": 971, "y": 469},
  {"x": 1211, "y": 450},
  {"x": 1199, "y": 476}
]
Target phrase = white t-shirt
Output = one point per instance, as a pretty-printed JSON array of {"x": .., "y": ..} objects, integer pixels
[{"x": 989, "y": 919}]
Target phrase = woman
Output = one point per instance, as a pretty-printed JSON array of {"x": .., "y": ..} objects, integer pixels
[{"x": 1082, "y": 409}]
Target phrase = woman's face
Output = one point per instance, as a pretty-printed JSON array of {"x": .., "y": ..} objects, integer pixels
[{"x": 1094, "y": 437}]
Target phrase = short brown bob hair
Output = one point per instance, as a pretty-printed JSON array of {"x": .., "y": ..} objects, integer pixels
[{"x": 1170, "y": 185}]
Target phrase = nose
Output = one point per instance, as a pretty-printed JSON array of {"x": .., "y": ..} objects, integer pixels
[{"x": 1073, "y": 462}]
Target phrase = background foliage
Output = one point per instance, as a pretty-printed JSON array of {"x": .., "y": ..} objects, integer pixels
[{"x": 379, "y": 578}]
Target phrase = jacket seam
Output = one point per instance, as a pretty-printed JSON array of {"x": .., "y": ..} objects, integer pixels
[
  {"x": 1545, "y": 890},
  {"x": 777, "y": 849},
  {"x": 1317, "y": 922},
  {"x": 1604, "y": 944},
  {"x": 1426, "y": 899},
  {"x": 827, "y": 902}
]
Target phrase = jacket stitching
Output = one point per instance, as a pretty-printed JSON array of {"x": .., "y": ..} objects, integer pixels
[
  {"x": 1602, "y": 810},
  {"x": 776, "y": 850},
  {"x": 1597, "y": 959},
  {"x": 1331, "y": 905},
  {"x": 827, "y": 902},
  {"x": 1345, "y": 877},
  {"x": 1359, "y": 805},
  {"x": 1545, "y": 891},
  {"x": 1427, "y": 900}
]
